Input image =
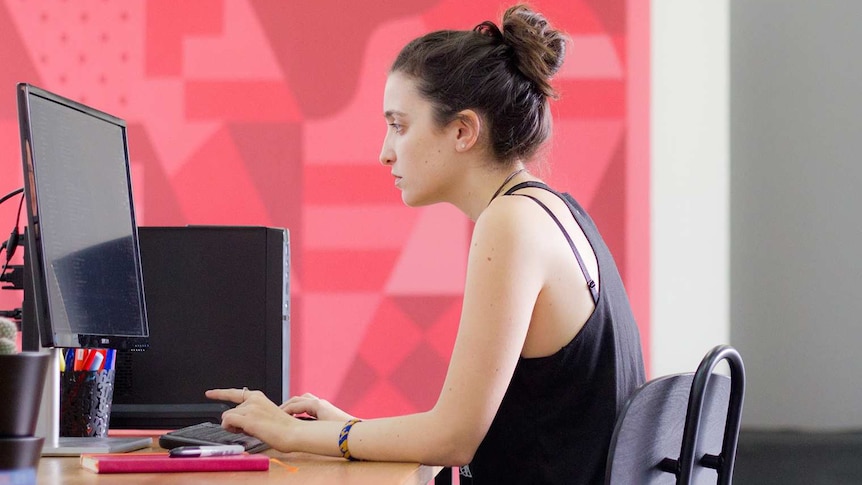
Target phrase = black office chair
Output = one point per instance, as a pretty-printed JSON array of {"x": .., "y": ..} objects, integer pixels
[{"x": 693, "y": 417}]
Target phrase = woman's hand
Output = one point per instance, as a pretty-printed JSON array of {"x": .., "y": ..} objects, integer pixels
[
  {"x": 315, "y": 407},
  {"x": 257, "y": 416}
]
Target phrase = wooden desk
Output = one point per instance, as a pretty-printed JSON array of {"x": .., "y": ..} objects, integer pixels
[{"x": 297, "y": 468}]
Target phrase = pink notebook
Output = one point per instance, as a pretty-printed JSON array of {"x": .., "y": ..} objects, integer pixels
[{"x": 161, "y": 463}]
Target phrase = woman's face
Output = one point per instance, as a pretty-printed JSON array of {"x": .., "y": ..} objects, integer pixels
[{"x": 418, "y": 152}]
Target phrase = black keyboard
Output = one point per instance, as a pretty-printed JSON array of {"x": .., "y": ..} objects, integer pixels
[{"x": 210, "y": 434}]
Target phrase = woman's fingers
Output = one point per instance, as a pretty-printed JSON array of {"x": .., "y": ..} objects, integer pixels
[
  {"x": 231, "y": 395},
  {"x": 237, "y": 396},
  {"x": 307, "y": 403},
  {"x": 313, "y": 406}
]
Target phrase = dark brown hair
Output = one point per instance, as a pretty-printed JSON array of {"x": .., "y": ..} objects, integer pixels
[{"x": 503, "y": 74}]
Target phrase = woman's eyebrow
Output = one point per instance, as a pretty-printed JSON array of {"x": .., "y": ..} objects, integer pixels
[{"x": 391, "y": 113}]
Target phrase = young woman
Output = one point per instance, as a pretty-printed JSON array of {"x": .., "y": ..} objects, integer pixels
[{"x": 547, "y": 349}]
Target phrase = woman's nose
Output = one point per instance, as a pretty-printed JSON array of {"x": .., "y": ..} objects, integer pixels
[{"x": 387, "y": 156}]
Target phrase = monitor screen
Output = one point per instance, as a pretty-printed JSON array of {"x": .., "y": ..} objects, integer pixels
[{"x": 82, "y": 256}]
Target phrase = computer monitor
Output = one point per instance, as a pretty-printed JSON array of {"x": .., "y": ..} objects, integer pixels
[
  {"x": 83, "y": 255},
  {"x": 83, "y": 278}
]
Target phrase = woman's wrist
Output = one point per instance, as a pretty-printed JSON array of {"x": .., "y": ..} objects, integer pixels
[
  {"x": 343, "y": 439},
  {"x": 291, "y": 436},
  {"x": 312, "y": 436}
]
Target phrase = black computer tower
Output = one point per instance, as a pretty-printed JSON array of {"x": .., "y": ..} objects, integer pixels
[{"x": 218, "y": 308}]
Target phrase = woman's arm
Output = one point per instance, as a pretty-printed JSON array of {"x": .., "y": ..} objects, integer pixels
[{"x": 504, "y": 278}]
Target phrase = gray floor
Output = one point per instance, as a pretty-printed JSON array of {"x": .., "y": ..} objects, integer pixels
[{"x": 792, "y": 457}]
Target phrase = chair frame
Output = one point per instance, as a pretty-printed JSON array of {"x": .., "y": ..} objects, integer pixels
[
  {"x": 723, "y": 463},
  {"x": 650, "y": 401}
]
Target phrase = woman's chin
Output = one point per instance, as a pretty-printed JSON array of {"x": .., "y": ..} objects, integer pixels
[{"x": 411, "y": 201}]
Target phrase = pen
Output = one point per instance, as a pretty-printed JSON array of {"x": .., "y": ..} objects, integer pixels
[
  {"x": 96, "y": 361},
  {"x": 215, "y": 450},
  {"x": 89, "y": 355},
  {"x": 79, "y": 359},
  {"x": 109, "y": 359}
]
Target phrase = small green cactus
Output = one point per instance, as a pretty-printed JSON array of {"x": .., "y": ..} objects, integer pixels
[
  {"x": 8, "y": 334},
  {"x": 8, "y": 347}
]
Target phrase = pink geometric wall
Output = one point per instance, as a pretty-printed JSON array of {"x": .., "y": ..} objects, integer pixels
[{"x": 267, "y": 112}]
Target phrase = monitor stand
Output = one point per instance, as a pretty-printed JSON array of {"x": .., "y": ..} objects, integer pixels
[{"x": 49, "y": 422}]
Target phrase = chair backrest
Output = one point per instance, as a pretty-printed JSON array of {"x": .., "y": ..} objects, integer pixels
[{"x": 680, "y": 429}]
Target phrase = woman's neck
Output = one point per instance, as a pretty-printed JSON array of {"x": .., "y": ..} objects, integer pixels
[{"x": 483, "y": 185}]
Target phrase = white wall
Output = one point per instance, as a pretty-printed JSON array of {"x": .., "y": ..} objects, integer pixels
[
  {"x": 757, "y": 200},
  {"x": 690, "y": 182}
]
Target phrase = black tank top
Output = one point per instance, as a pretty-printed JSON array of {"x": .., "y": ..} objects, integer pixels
[{"x": 555, "y": 422}]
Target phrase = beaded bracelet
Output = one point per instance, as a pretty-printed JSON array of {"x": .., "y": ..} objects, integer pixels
[{"x": 342, "y": 439}]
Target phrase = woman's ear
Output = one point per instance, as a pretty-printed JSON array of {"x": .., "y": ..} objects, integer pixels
[{"x": 467, "y": 127}]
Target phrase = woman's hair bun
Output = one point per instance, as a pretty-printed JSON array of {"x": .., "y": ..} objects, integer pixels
[
  {"x": 504, "y": 73},
  {"x": 539, "y": 50}
]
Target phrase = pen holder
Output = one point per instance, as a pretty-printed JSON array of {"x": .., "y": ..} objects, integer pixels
[{"x": 85, "y": 402}]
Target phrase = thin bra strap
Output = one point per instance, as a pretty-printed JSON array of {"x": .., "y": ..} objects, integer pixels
[
  {"x": 590, "y": 282},
  {"x": 533, "y": 184}
]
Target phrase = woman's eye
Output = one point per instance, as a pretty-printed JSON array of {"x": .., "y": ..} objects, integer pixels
[{"x": 398, "y": 128}]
